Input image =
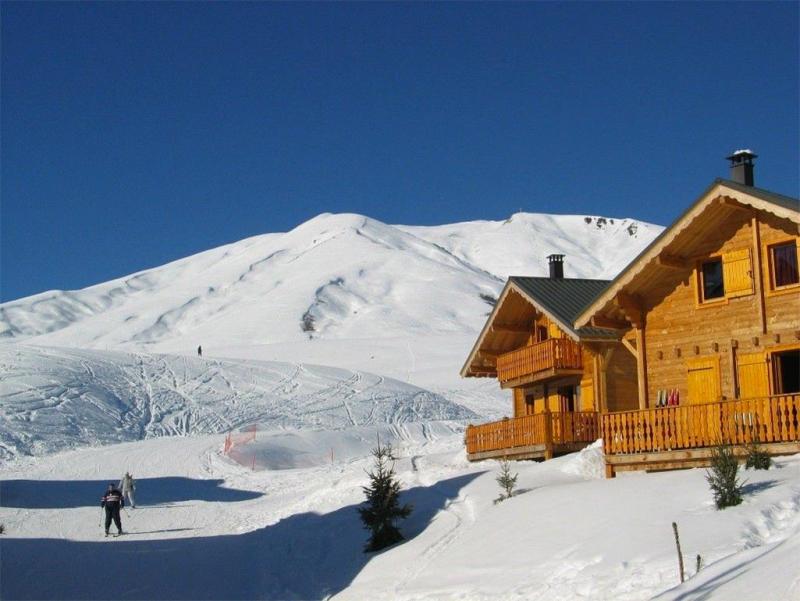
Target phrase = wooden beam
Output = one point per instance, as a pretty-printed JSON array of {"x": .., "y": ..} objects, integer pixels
[
  {"x": 672, "y": 262},
  {"x": 627, "y": 344},
  {"x": 730, "y": 202},
  {"x": 641, "y": 367},
  {"x": 511, "y": 329},
  {"x": 613, "y": 324},
  {"x": 756, "y": 271},
  {"x": 631, "y": 305}
]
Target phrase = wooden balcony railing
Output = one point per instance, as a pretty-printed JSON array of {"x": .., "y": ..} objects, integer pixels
[
  {"x": 765, "y": 420},
  {"x": 543, "y": 429},
  {"x": 555, "y": 353}
]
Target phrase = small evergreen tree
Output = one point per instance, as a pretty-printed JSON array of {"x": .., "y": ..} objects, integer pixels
[
  {"x": 383, "y": 502},
  {"x": 506, "y": 481},
  {"x": 757, "y": 457},
  {"x": 723, "y": 477}
]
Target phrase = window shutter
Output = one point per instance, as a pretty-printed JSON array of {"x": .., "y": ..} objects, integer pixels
[
  {"x": 737, "y": 271},
  {"x": 753, "y": 375},
  {"x": 703, "y": 380}
]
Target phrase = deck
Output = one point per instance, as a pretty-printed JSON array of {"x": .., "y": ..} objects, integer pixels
[
  {"x": 532, "y": 436},
  {"x": 556, "y": 357},
  {"x": 684, "y": 436}
]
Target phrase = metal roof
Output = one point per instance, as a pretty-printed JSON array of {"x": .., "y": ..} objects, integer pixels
[{"x": 563, "y": 299}]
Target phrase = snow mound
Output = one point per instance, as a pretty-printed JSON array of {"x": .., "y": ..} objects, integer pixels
[
  {"x": 589, "y": 463},
  {"x": 54, "y": 398}
]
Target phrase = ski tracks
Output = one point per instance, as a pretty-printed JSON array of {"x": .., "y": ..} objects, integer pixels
[{"x": 460, "y": 514}]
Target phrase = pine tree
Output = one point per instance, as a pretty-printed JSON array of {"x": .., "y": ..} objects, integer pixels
[
  {"x": 723, "y": 477},
  {"x": 506, "y": 481},
  {"x": 383, "y": 502}
]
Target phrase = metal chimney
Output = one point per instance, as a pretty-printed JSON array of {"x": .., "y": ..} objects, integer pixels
[
  {"x": 556, "y": 267},
  {"x": 742, "y": 166}
]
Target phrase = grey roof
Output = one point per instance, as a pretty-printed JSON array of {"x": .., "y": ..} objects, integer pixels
[
  {"x": 564, "y": 299},
  {"x": 786, "y": 202}
]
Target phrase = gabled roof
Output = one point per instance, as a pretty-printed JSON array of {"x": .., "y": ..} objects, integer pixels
[
  {"x": 561, "y": 300},
  {"x": 720, "y": 190}
]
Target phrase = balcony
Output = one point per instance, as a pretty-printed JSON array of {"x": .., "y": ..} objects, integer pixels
[
  {"x": 683, "y": 436},
  {"x": 532, "y": 436},
  {"x": 555, "y": 357}
]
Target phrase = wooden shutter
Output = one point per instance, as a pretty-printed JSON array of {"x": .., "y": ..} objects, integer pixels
[
  {"x": 703, "y": 380},
  {"x": 753, "y": 375},
  {"x": 587, "y": 395},
  {"x": 737, "y": 271}
]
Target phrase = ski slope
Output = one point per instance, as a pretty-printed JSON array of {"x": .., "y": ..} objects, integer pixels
[
  {"x": 52, "y": 399},
  {"x": 208, "y": 528}
]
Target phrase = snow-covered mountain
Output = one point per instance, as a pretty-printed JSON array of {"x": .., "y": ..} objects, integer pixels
[{"x": 334, "y": 277}]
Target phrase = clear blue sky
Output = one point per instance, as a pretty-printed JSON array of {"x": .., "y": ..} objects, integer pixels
[{"x": 138, "y": 133}]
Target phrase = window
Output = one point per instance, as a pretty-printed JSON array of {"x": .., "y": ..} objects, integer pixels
[
  {"x": 783, "y": 264},
  {"x": 786, "y": 371},
  {"x": 711, "y": 283}
]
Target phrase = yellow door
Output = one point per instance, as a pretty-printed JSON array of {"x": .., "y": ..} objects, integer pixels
[
  {"x": 703, "y": 380},
  {"x": 753, "y": 375}
]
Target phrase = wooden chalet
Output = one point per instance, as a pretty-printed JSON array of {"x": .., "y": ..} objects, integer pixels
[
  {"x": 555, "y": 371},
  {"x": 695, "y": 343}
]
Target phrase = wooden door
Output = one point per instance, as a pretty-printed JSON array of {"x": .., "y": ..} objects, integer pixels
[
  {"x": 753, "y": 375},
  {"x": 703, "y": 380}
]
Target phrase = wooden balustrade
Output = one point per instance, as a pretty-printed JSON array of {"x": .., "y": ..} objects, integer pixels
[
  {"x": 764, "y": 420},
  {"x": 541, "y": 429},
  {"x": 555, "y": 353}
]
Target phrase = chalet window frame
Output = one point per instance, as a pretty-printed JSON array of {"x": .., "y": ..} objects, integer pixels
[
  {"x": 700, "y": 283},
  {"x": 772, "y": 287}
]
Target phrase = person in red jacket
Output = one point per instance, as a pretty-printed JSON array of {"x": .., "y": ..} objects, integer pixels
[{"x": 113, "y": 502}]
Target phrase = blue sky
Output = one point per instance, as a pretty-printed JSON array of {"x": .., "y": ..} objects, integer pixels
[{"x": 138, "y": 133}]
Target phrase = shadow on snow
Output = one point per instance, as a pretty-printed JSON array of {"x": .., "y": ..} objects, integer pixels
[
  {"x": 304, "y": 556},
  {"x": 67, "y": 494}
]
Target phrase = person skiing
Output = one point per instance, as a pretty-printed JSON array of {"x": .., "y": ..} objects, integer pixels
[
  {"x": 127, "y": 485},
  {"x": 199, "y": 351},
  {"x": 112, "y": 502}
]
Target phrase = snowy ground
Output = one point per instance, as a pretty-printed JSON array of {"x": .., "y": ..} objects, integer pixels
[
  {"x": 209, "y": 528},
  {"x": 56, "y": 398}
]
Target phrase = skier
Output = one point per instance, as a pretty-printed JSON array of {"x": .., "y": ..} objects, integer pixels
[
  {"x": 112, "y": 502},
  {"x": 199, "y": 351},
  {"x": 127, "y": 485}
]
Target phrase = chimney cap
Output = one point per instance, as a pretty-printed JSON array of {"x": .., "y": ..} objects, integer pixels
[
  {"x": 555, "y": 258},
  {"x": 744, "y": 155}
]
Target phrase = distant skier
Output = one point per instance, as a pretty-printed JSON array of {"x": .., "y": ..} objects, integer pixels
[
  {"x": 127, "y": 485},
  {"x": 112, "y": 502},
  {"x": 199, "y": 351}
]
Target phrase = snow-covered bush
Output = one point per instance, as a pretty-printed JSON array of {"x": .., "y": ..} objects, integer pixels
[
  {"x": 383, "y": 502},
  {"x": 723, "y": 477}
]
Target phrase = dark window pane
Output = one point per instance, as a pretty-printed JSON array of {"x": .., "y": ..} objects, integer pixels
[
  {"x": 713, "y": 286},
  {"x": 784, "y": 263}
]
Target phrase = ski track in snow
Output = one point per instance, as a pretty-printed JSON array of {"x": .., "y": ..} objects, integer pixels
[{"x": 53, "y": 399}]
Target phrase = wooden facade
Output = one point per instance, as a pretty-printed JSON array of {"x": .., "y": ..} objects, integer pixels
[
  {"x": 696, "y": 342},
  {"x": 711, "y": 315}
]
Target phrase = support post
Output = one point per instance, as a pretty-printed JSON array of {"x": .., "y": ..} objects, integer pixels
[
  {"x": 756, "y": 271},
  {"x": 548, "y": 432},
  {"x": 641, "y": 366}
]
